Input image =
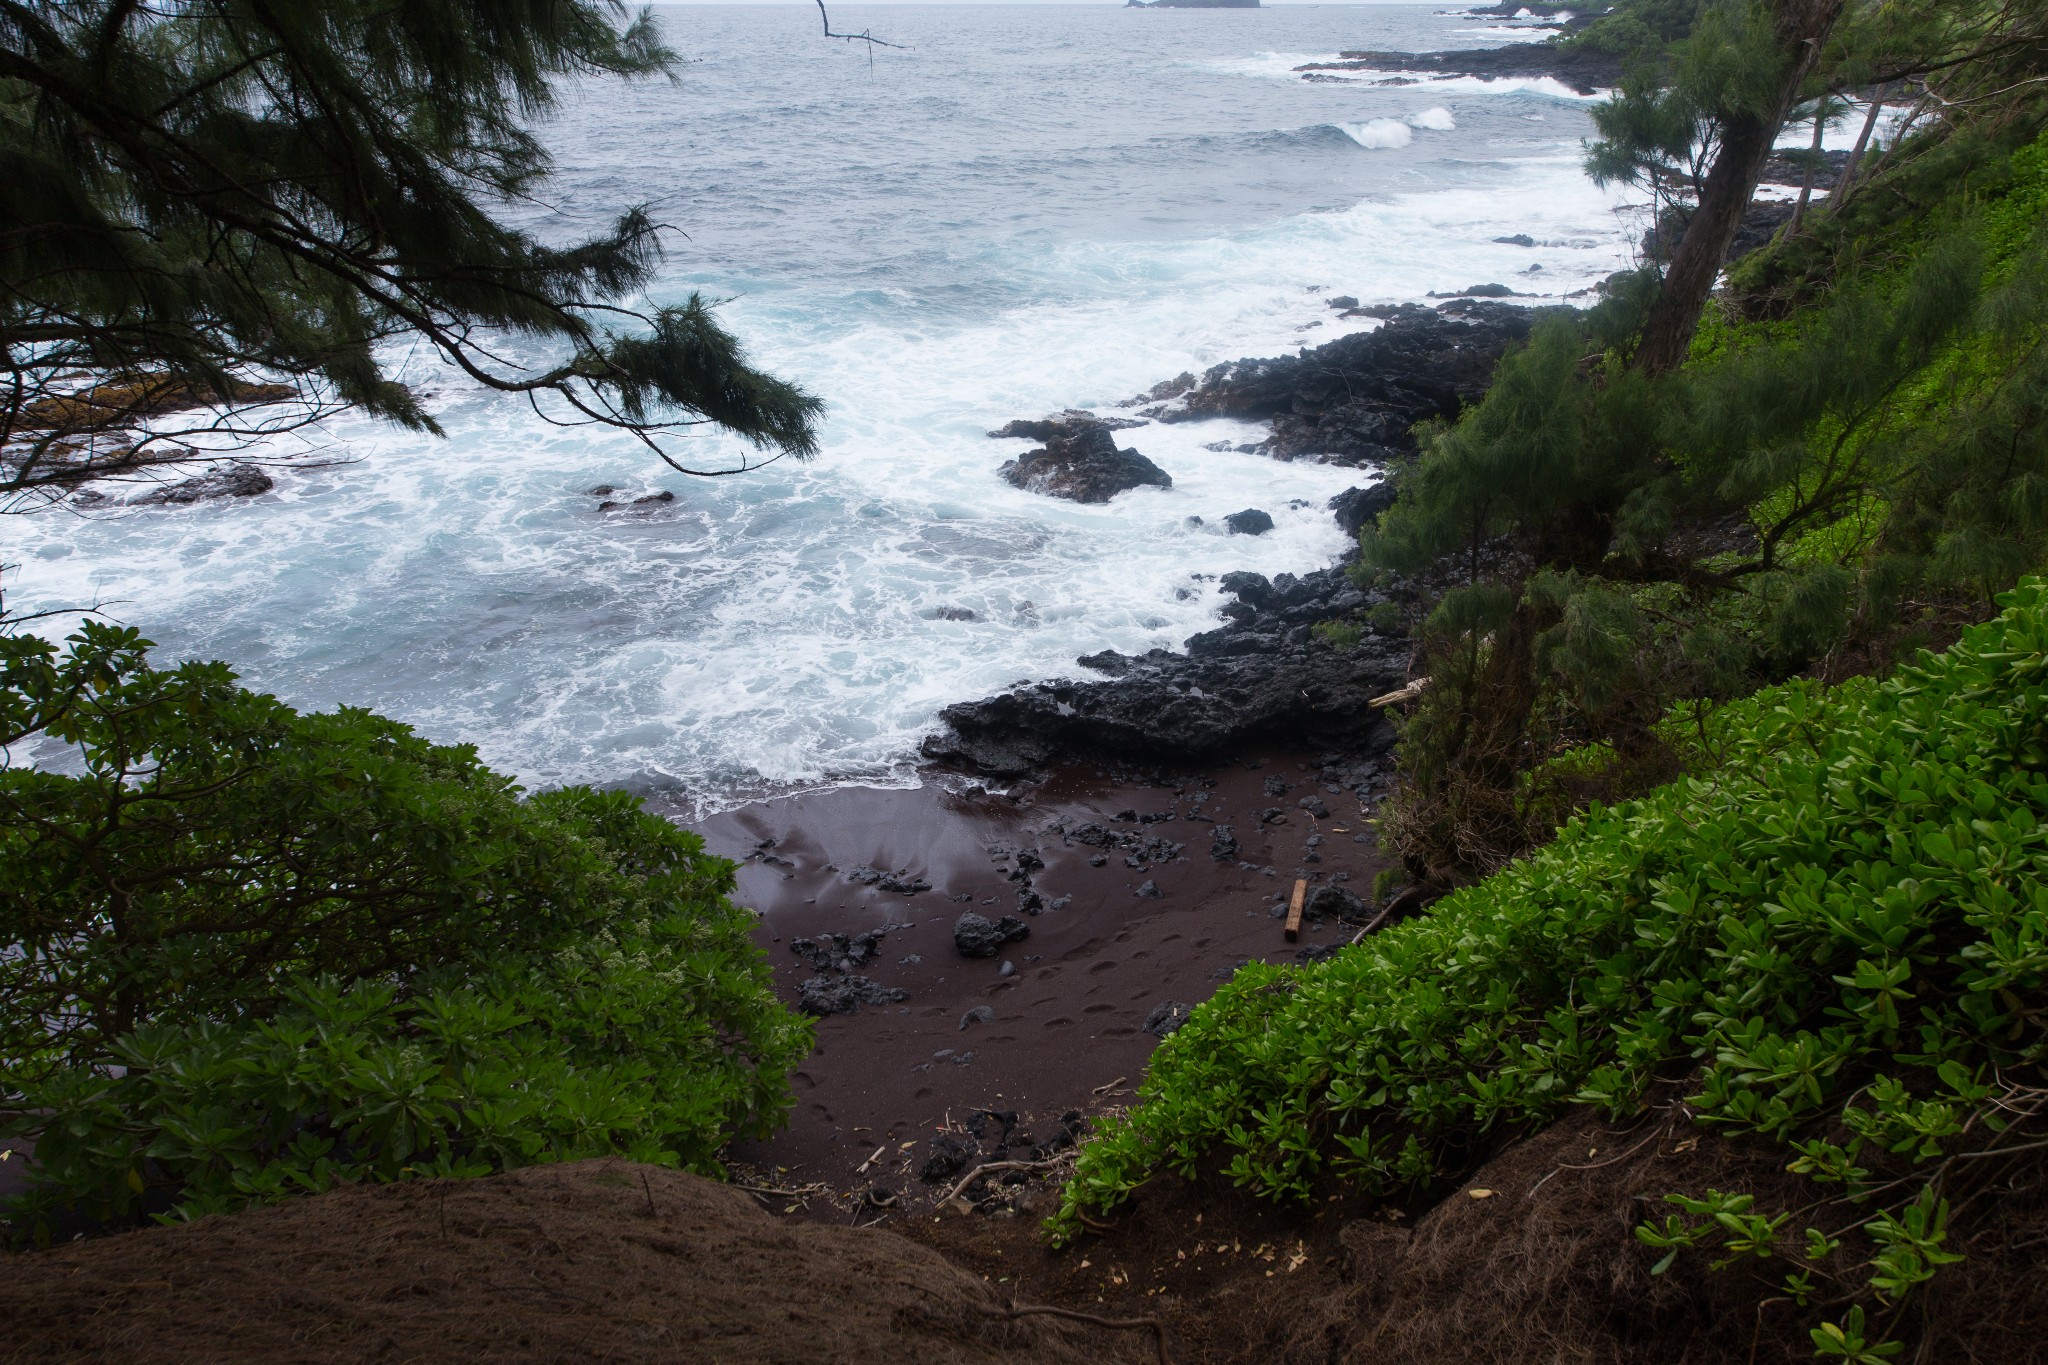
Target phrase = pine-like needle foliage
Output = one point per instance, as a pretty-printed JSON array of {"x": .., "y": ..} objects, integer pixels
[
  {"x": 234, "y": 204},
  {"x": 1853, "y": 459}
]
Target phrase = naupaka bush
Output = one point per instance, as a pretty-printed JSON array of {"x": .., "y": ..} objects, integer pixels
[
  {"x": 1840, "y": 933},
  {"x": 246, "y": 952}
]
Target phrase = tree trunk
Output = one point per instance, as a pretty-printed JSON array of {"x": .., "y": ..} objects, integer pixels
[
  {"x": 1820, "y": 128},
  {"x": 1746, "y": 140},
  {"x": 1849, "y": 176}
]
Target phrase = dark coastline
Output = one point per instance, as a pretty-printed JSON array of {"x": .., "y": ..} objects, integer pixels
[
  {"x": 1144, "y": 828},
  {"x": 1583, "y": 70}
]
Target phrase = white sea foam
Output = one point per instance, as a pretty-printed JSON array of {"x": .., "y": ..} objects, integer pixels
[{"x": 1379, "y": 133}]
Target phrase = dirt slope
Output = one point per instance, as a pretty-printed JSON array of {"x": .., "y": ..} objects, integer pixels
[{"x": 594, "y": 1261}]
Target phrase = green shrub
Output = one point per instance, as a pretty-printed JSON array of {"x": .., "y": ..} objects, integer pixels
[
  {"x": 1841, "y": 931},
  {"x": 245, "y": 951},
  {"x": 1339, "y": 634}
]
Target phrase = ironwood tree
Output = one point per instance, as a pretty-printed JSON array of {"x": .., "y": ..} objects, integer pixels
[
  {"x": 217, "y": 216},
  {"x": 1639, "y": 514}
]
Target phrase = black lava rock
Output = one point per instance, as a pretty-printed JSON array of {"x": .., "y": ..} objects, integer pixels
[
  {"x": 1334, "y": 902},
  {"x": 901, "y": 882},
  {"x": 1354, "y": 400},
  {"x": 949, "y": 1156},
  {"x": 1166, "y": 1019},
  {"x": 234, "y": 480},
  {"x": 1233, "y": 685},
  {"x": 975, "y": 936},
  {"x": 1085, "y": 467},
  {"x": 838, "y": 952},
  {"x": 1357, "y": 508},
  {"x": 1071, "y": 423},
  {"x": 1254, "y": 590},
  {"x": 1223, "y": 844},
  {"x": 822, "y": 995},
  {"x": 1250, "y": 522}
]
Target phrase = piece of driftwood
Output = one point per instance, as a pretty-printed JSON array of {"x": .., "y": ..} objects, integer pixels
[
  {"x": 1294, "y": 911},
  {"x": 1401, "y": 694}
]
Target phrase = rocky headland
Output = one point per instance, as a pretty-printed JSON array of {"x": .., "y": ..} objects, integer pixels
[
  {"x": 1263, "y": 675},
  {"x": 1584, "y": 70},
  {"x": 1352, "y": 401}
]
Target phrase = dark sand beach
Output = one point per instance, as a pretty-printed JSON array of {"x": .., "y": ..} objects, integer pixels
[{"x": 1065, "y": 1029}]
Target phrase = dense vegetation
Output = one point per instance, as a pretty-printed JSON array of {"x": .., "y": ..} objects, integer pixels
[
  {"x": 1836, "y": 936},
  {"x": 1852, "y": 462},
  {"x": 246, "y": 952},
  {"x": 1657, "y": 578}
]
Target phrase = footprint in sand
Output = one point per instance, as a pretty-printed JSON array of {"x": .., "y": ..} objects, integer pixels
[
  {"x": 1058, "y": 1023},
  {"x": 1101, "y": 967},
  {"x": 1100, "y": 1009}
]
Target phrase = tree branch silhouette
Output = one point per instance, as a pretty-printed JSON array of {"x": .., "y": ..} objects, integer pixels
[{"x": 862, "y": 37}]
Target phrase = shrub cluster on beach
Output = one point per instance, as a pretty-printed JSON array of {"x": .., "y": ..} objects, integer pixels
[{"x": 247, "y": 952}]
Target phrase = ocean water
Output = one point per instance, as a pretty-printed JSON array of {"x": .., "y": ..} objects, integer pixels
[{"x": 1031, "y": 208}]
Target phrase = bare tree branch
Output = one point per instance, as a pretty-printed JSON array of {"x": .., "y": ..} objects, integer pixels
[{"x": 862, "y": 37}]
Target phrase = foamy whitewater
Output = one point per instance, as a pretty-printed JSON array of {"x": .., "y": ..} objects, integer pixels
[{"x": 1032, "y": 208}]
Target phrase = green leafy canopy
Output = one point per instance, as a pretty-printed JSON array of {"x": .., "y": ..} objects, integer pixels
[
  {"x": 1839, "y": 933},
  {"x": 246, "y": 952}
]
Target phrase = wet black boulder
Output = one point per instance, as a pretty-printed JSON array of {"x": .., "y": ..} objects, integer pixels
[
  {"x": 1084, "y": 467},
  {"x": 1334, "y": 902},
  {"x": 977, "y": 936},
  {"x": 1357, "y": 508}
]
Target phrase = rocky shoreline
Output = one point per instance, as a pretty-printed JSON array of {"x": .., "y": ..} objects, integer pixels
[
  {"x": 1585, "y": 70},
  {"x": 1265, "y": 675}
]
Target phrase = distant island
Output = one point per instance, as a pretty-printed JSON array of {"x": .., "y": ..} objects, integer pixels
[{"x": 1192, "y": 4}]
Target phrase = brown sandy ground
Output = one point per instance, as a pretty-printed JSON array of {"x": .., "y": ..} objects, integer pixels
[
  {"x": 1064, "y": 1032},
  {"x": 594, "y": 1261}
]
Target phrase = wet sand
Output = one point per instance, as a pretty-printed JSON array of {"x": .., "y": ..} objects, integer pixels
[{"x": 1066, "y": 1029}]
